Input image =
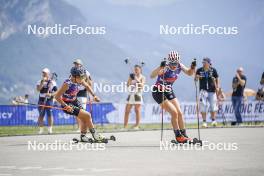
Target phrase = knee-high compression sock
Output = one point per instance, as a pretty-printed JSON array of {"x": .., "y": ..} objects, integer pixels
[
  {"x": 183, "y": 132},
  {"x": 177, "y": 132},
  {"x": 92, "y": 131}
]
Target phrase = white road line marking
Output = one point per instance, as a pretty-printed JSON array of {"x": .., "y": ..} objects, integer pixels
[
  {"x": 69, "y": 175},
  {"x": 103, "y": 170},
  {"x": 4, "y": 174},
  {"x": 7, "y": 167},
  {"x": 30, "y": 168},
  {"x": 54, "y": 168},
  {"x": 77, "y": 169}
]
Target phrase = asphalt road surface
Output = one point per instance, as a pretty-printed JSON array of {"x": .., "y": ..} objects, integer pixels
[{"x": 228, "y": 151}]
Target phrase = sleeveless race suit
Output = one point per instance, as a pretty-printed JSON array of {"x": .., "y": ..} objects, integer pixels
[
  {"x": 70, "y": 97},
  {"x": 170, "y": 76}
]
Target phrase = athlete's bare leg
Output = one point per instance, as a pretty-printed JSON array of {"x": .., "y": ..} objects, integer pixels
[
  {"x": 170, "y": 108},
  {"x": 138, "y": 114},
  {"x": 176, "y": 104},
  {"x": 127, "y": 112},
  {"x": 86, "y": 120}
]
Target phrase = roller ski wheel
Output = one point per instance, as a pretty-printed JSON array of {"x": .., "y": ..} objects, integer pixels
[
  {"x": 197, "y": 141},
  {"x": 112, "y": 138},
  {"x": 174, "y": 141},
  {"x": 105, "y": 141},
  {"x": 75, "y": 140},
  {"x": 194, "y": 141},
  {"x": 91, "y": 140}
]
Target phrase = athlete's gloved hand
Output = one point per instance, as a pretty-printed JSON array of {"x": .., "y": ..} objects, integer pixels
[
  {"x": 132, "y": 76},
  {"x": 68, "y": 108},
  {"x": 193, "y": 64},
  {"x": 96, "y": 99},
  {"x": 163, "y": 64}
]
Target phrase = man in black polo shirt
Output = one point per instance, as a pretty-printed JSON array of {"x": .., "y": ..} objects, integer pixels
[
  {"x": 238, "y": 85},
  {"x": 209, "y": 84}
]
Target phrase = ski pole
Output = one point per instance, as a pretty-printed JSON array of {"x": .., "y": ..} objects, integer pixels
[
  {"x": 44, "y": 106},
  {"x": 162, "y": 105},
  {"x": 197, "y": 109}
]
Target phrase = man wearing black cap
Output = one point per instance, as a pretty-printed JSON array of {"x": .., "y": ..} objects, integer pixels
[
  {"x": 238, "y": 85},
  {"x": 209, "y": 84}
]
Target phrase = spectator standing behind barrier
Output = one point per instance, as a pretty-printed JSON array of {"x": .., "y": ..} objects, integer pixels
[
  {"x": 135, "y": 84},
  {"x": 19, "y": 100},
  {"x": 260, "y": 92},
  {"x": 238, "y": 85},
  {"x": 46, "y": 88},
  {"x": 26, "y": 97},
  {"x": 209, "y": 84}
]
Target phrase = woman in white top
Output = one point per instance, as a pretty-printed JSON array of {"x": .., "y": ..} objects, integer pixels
[{"x": 135, "y": 85}]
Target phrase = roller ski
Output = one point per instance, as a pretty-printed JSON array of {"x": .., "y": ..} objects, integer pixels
[
  {"x": 103, "y": 140},
  {"x": 181, "y": 137},
  {"x": 193, "y": 141},
  {"x": 97, "y": 138}
]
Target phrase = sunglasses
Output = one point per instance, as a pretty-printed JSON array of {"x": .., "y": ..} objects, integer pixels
[{"x": 173, "y": 64}]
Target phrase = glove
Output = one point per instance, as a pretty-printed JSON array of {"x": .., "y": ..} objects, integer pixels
[
  {"x": 132, "y": 76},
  {"x": 96, "y": 99},
  {"x": 193, "y": 64},
  {"x": 163, "y": 64},
  {"x": 68, "y": 108}
]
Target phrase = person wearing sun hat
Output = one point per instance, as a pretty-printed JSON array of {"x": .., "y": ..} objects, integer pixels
[{"x": 46, "y": 87}]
